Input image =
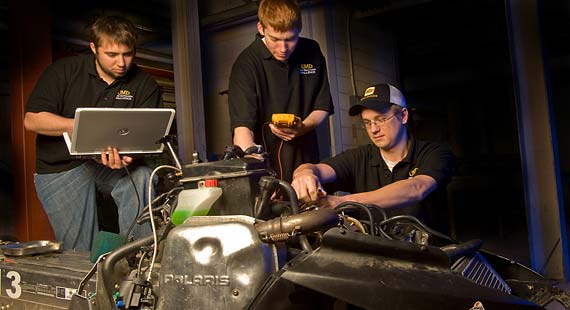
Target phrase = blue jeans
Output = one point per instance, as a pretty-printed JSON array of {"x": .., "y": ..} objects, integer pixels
[{"x": 68, "y": 198}]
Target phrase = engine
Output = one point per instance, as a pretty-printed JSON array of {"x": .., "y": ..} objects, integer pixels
[
  {"x": 253, "y": 251},
  {"x": 215, "y": 262}
]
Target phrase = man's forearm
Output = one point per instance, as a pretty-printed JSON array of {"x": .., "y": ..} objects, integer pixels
[
  {"x": 306, "y": 168},
  {"x": 243, "y": 137},
  {"x": 47, "y": 123},
  {"x": 397, "y": 194},
  {"x": 315, "y": 118}
]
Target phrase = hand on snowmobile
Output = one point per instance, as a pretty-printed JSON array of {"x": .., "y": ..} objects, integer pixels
[{"x": 308, "y": 187}]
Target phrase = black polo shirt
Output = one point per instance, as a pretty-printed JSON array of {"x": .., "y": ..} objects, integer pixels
[
  {"x": 260, "y": 86},
  {"x": 363, "y": 169},
  {"x": 73, "y": 82}
]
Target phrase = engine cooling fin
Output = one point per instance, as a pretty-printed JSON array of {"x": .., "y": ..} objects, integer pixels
[{"x": 477, "y": 269}]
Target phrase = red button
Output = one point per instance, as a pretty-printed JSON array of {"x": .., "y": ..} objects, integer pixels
[{"x": 211, "y": 183}]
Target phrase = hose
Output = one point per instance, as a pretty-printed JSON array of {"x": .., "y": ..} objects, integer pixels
[
  {"x": 114, "y": 257},
  {"x": 295, "y": 209},
  {"x": 305, "y": 222}
]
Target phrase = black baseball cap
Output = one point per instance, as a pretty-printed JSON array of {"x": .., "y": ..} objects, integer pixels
[{"x": 378, "y": 97}]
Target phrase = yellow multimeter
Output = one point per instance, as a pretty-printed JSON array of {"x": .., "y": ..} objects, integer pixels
[{"x": 285, "y": 120}]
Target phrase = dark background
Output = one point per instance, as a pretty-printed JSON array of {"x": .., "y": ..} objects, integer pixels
[{"x": 455, "y": 68}]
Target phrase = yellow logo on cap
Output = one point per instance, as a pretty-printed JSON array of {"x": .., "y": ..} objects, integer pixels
[
  {"x": 413, "y": 172},
  {"x": 369, "y": 91}
]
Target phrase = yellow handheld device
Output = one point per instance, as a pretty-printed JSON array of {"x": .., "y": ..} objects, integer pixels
[{"x": 284, "y": 120}]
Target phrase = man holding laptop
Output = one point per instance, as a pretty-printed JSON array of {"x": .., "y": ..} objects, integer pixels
[{"x": 66, "y": 185}]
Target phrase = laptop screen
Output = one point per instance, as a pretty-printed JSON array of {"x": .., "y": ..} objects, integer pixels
[{"x": 131, "y": 131}]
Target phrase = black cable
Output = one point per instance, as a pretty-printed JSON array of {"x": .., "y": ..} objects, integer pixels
[
  {"x": 377, "y": 230},
  {"x": 139, "y": 267},
  {"x": 414, "y": 226},
  {"x": 172, "y": 203},
  {"x": 279, "y": 159},
  {"x": 108, "y": 267},
  {"x": 158, "y": 198},
  {"x": 290, "y": 192},
  {"x": 422, "y": 225},
  {"x": 353, "y": 204},
  {"x": 267, "y": 186},
  {"x": 263, "y": 135},
  {"x": 139, "y": 204},
  {"x": 90, "y": 274},
  {"x": 268, "y": 152}
]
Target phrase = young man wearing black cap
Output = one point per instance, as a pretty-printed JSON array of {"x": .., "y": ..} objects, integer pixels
[{"x": 396, "y": 172}]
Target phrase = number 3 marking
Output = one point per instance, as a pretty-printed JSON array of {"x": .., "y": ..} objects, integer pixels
[{"x": 16, "y": 289}]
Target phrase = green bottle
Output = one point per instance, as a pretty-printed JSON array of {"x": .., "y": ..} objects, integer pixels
[{"x": 195, "y": 202}]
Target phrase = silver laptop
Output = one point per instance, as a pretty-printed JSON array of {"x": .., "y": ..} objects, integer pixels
[{"x": 131, "y": 131}]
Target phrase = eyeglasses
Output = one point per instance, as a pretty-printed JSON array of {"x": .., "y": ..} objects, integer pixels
[{"x": 378, "y": 121}]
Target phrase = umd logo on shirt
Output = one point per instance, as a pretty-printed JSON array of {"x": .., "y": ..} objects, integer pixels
[
  {"x": 307, "y": 69},
  {"x": 124, "y": 94}
]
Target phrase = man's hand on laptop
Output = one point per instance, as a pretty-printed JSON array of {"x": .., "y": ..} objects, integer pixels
[{"x": 113, "y": 160}]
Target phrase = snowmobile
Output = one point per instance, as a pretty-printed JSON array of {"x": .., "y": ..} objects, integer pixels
[{"x": 255, "y": 250}]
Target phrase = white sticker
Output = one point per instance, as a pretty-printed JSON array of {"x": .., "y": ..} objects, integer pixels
[{"x": 64, "y": 292}]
